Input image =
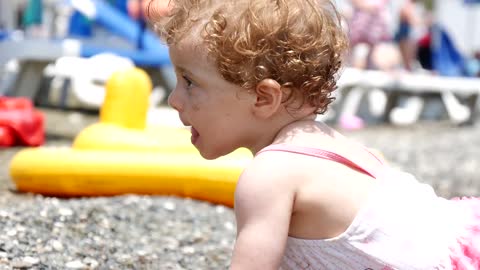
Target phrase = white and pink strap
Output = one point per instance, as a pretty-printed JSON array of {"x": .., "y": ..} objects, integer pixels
[{"x": 325, "y": 154}]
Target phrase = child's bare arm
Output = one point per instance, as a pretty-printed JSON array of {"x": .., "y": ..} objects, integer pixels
[{"x": 263, "y": 207}]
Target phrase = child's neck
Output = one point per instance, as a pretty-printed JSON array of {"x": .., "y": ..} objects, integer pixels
[{"x": 280, "y": 130}]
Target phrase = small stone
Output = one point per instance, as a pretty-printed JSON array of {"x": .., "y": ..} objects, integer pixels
[
  {"x": 188, "y": 250},
  {"x": 53, "y": 201},
  {"x": 58, "y": 224},
  {"x": 83, "y": 217},
  {"x": 57, "y": 245},
  {"x": 3, "y": 254},
  {"x": 170, "y": 206},
  {"x": 105, "y": 223},
  {"x": 171, "y": 266},
  {"x": 4, "y": 214},
  {"x": 220, "y": 209},
  {"x": 225, "y": 242},
  {"x": 125, "y": 259},
  {"x": 229, "y": 225},
  {"x": 31, "y": 260},
  {"x": 171, "y": 243},
  {"x": 12, "y": 232},
  {"x": 25, "y": 262},
  {"x": 44, "y": 213},
  {"x": 142, "y": 256},
  {"x": 77, "y": 264},
  {"x": 142, "y": 253},
  {"x": 198, "y": 237},
  {"x": 65, "y": 212},
  {"x": 91, "y": 263}
]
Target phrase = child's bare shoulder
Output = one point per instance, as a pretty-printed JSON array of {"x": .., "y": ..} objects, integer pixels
[
  {"x": 278, "y": 174},
  {"x": 266, "y": 178}
]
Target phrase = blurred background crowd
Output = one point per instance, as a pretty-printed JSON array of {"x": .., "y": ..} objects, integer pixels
[
  {"x": 414, "y": 35},
  {"x": 384, "y": 34}
]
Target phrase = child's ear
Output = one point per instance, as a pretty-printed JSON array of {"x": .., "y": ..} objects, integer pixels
[{"x": 269, "y": 98}]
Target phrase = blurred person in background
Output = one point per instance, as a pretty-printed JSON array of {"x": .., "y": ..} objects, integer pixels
[
  {"x": 32, "y": 18},
  {"x": 473, "y": 65},
  {"x": 368, "y": 25},
  {"x": 136, "y": 10},
  {"x": 407, "y": 21},
  {"x": 424, "y": 44}
]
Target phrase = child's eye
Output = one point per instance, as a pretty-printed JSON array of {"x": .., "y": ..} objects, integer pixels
[{"x": 188, "y": 81}]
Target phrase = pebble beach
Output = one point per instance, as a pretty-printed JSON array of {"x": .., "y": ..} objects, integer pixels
[{"x": 162, "y": 232}]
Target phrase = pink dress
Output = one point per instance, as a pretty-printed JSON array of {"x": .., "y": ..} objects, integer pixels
[{"x": 404, "y": 226}]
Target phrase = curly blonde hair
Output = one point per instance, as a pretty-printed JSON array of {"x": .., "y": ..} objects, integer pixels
[{"x": 298, "y": 43}]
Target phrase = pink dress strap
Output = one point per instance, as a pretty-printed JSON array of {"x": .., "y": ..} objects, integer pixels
[{"x": 325, "y": 154}]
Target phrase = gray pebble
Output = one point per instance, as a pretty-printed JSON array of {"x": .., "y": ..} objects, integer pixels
[{"x": 77, "y": 264}]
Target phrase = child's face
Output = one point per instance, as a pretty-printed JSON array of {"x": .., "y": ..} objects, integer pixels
[{"x": 217, "y": 110}]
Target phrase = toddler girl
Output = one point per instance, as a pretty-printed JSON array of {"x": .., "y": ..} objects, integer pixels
[{"x": 254, "y": 74}]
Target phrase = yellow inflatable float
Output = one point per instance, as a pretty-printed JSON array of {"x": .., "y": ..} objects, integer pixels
[{"x": 122, "y": 155}]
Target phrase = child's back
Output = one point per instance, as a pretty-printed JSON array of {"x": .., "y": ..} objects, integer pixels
[{"x": 359, "y": 213}]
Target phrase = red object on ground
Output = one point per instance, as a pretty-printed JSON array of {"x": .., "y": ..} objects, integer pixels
[{"x": 20, "y": 123}]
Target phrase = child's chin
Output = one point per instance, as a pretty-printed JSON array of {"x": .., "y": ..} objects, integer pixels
[
  {"x": 205, "y": 154},
  {"x": 210, "y": 155}
]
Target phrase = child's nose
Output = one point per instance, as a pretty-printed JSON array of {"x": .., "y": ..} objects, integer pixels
[{"x": 174, "y": 100}]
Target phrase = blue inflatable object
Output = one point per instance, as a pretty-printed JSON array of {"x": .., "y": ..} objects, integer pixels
[
  {"x": 151, "y": 52},
  {"x": 446, "y": 58},
  {"x": 120, "y": 5},
  {"x": 159, "y": 57},
  {"x": 79, "y": 26},
  {"x": 3, "y": 35}
]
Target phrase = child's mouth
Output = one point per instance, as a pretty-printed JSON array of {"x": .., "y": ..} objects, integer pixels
[{"x": 195, "y": 135}]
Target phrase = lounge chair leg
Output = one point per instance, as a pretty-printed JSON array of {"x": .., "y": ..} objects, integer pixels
[
  {"x": 472, "y": 103},
  {"x": 457, "y": 112},
  {"x": 392, "y": 100}
]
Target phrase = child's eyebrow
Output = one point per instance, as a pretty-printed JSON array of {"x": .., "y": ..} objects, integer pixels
[{"x": 181, "y": 69}]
